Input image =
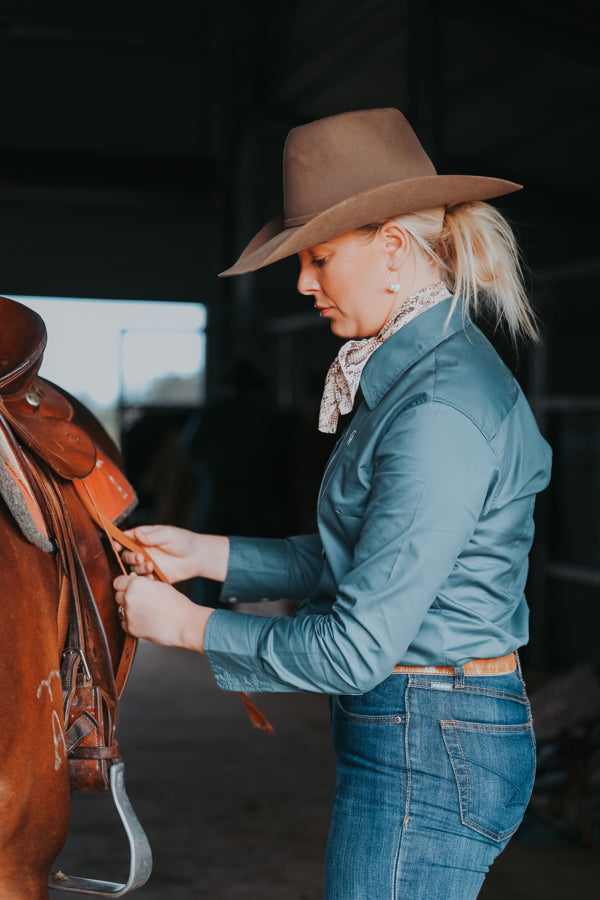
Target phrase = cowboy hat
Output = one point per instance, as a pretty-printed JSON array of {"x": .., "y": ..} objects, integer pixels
[{"x": 350, "y": 170}]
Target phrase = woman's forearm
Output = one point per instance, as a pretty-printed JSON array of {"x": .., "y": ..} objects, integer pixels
[{"x": 211, "y": 556}]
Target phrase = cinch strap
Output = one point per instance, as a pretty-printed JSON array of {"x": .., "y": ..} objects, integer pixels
[{"x": 258, "y": 719}]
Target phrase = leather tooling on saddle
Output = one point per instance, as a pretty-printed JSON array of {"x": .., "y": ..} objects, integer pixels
[{"x": 46, "y": 459}]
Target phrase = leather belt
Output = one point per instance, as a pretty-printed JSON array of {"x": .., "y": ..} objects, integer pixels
[{"x": 501, "y": 665}]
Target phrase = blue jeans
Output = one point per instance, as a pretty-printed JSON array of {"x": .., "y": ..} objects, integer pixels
[{"x": 434, "y": 775}]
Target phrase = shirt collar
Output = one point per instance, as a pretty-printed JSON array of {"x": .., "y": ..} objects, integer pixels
[{"x": 408, "y": 345}]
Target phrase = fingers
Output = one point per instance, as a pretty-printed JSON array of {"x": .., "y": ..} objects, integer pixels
[
  {"x": 122, "y": 583},
  {"x": 151, "y": 610},
  {"x": 138, "y": 563},
  {"x": 148, "y": 535}
]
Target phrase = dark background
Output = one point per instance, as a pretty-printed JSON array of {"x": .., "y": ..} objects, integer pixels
[{"x": 140, "y": 149}]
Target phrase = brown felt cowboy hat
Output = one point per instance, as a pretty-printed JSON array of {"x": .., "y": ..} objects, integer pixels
[{"x": 350, "y": 170}]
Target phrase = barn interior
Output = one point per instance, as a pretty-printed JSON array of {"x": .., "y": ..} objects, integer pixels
[{"x": 140, "y": 150}]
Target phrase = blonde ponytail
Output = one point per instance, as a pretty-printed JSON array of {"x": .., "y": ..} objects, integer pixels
[{"x": 477, "y": 253}]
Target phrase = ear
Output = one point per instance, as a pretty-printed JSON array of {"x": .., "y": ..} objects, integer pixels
[{"x": 396, "y": 243}]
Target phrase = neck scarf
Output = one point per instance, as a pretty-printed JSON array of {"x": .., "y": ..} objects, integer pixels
[{"x": 344, "y": 373}]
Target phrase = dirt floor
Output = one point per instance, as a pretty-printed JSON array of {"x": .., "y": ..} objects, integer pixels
[{"x": 233, "y": 814}]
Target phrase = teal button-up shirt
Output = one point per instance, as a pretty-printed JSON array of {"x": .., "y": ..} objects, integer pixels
[{"x": 425, "y": 519}]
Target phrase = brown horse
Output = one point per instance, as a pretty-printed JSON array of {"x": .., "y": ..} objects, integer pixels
[{"x": 64, "y": 659}]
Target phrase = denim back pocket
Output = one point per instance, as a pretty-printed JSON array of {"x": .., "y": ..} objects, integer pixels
[{"x": 494, "y": 768}]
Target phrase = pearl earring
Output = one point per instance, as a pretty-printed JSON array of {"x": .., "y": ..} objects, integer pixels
[{"x": 394, "y": 286}]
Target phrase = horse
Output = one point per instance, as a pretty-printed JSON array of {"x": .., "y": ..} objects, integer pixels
[{"x": 64, "y": 659}]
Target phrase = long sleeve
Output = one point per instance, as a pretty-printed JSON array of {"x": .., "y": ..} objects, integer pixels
[
  {"x": 432, "y": 473},
  {"x": 425, "y": 520},
  {"x": 273, "y": 568}
]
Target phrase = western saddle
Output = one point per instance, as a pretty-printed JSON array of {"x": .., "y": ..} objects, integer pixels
[{"x": 60, "y": 479}]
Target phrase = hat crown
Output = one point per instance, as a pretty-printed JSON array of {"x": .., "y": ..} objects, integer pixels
[{"x": 330, "y": 160}]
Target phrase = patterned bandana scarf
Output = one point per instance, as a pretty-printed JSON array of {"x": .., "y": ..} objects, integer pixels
[{"x": 344, "y": 373}]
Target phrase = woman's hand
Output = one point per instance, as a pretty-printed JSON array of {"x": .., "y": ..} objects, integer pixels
[
  {"x": 157, "y": 612},
  {"x": 178, "y": 553}
]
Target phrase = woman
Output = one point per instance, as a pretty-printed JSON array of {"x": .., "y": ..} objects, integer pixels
[{"x": 412, "y": 590}]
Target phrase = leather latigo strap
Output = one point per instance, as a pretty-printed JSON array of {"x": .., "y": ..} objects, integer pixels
[
  {"x": 256, "y": 716},
  {"x": 86, "y": 490}
]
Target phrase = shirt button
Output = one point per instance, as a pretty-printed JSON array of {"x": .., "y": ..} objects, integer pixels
[{"x": 232, "y": 599}]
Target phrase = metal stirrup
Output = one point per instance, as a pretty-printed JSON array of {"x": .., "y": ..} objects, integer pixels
[{"x": 140, "y": 865}]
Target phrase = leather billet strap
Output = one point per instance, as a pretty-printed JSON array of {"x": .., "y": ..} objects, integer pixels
[
  {"x": 116, "y": 536},
  {"x": 96, "y": 752},
  {"x": 258, "y": 718}
]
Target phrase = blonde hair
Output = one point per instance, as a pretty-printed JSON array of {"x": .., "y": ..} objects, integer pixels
[{"x": 477, "y": 253}]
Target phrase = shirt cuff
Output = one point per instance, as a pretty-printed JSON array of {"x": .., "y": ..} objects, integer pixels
[
  {"x": 251, "y": 564},
  {"x": 231, "y": 646}
]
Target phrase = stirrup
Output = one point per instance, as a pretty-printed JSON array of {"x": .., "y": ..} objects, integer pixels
[{"x": 140, "y": 865}]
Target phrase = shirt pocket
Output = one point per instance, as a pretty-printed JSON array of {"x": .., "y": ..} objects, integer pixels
[{"x": 494, "y": 768}]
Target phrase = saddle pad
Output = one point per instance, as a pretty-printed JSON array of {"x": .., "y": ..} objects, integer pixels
[{"x": 18, "y": 495}]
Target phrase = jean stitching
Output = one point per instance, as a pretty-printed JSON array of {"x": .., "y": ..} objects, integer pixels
[
  {"x": 467, "y": 820},
  {"x": 407, "y": 752},
  {"x": 490, "y": 728},
  {"x": 498, "y": 729},
  {"x": 406, "y": 717},
  {"x": 456, "y": 774},
  {"x": 397, "y": 864},
  {"x": 491, "y": 692},
  {"x": 370, "y": 720},
  {"x": 485, "y": 692}
]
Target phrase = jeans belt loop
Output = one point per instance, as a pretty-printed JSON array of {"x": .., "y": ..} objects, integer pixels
[
  {"x": 519, "y": 670},
  {"x": 459, "y": 677}
]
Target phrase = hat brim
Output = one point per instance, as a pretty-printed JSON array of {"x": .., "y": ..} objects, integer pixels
[{"x": 275, "y": 241}]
